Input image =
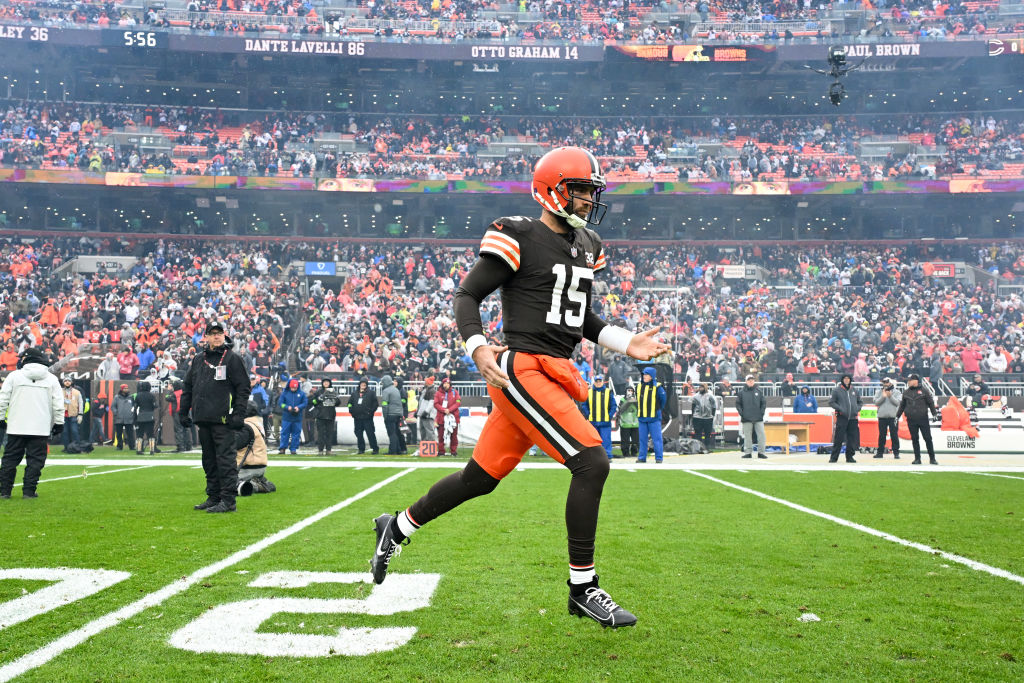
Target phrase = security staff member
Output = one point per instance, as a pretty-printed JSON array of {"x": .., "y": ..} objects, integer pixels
[
  {"x": 216, "y": 391},
  {"x": 845, "y": 402},
  {"x": 31, "y": 409},
  {"x": 916, "y": 404},
  {"x": 599, "y": 409},
  {"x": 650, "y": 398},
  {"x": 324, "y": 404}
]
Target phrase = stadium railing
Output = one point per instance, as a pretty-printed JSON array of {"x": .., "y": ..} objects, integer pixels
[
  {"x": 470, "y": 388},
  {"x": 183, "y": 18},
  {"x": 995, "y": 388}
]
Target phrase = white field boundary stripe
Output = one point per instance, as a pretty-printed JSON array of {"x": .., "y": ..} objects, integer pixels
[
  {"x": 90, "y": 474},
  {"x": 39, "y": 657},
  {"x": 1004, "y": 476},
  {"x": 530, "y": 463},
  {"x": 967, "y": 562}
]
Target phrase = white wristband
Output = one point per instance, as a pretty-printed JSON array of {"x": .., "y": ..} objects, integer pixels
[
  {"x": 474, "y": 343},
  {"x": 615, "y": 338}
]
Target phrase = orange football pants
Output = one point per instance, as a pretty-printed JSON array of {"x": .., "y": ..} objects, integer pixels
[{"x": 533, "y": 409}]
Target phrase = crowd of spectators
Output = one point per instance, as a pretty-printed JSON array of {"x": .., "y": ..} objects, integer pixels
[
  {"x": 591, "y": 21},
  {"x": 393, "y": 312},
  {"x": 145, "y": 322},
  {"x": 872, "y": 311},
  {"x": 70, "y": 135}
]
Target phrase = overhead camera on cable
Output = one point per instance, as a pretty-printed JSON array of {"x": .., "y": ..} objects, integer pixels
[{"x": 837, "y": 68}]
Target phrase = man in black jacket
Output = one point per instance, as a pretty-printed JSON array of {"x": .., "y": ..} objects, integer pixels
[
  {"x": 216, "y": 392},
  {"x": 751, "y": 404},
  {"x": 323, "y": 405},
  {"x": 846, "y": 403},
  {"x": 362, "y": 405},
  {"x": 916, "y": 404}
]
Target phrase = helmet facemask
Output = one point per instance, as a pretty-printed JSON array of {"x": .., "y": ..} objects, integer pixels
[{"x": 564, "y": 200}]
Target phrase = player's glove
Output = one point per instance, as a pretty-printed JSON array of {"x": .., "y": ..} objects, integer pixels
[
  {"x": 236, "y": 421},
  {"x": 78, "y": 419},
  {"x": 3, "y": 425},
  {"x": 57, "y": 431},
  {"x": 185, "y": 421}
]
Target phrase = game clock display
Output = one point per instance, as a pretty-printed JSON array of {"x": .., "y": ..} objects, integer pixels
[{"x": 146, "y": 40}]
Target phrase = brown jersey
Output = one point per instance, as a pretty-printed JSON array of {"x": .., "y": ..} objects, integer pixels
[{"x": 547, "y": 294}]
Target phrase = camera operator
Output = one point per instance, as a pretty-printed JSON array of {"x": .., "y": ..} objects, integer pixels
[
  {"x": 32, "y": 409},
  {"x": 887, "y": 400},
  {"x": 703, "y": 407}
]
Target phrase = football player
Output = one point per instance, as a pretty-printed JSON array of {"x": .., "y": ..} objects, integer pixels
[{"x": 545, "y": 268}]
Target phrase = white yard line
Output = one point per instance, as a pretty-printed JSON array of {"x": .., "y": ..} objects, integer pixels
[
  {"x": 681, "y": 465},
  {"x": 967, "y": 562},
  {"x": 37, "y": 658},
  {"x": 90, "y": 474},
  {"x": 1004, "y": 476}
]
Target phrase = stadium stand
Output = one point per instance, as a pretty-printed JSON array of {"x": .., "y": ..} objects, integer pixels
[
  {"x": 391, "y": 312},
  {"x": 302, "y": 144},
  {"x": 152, "y": 316},
  {"x": 394, "y": 305},
  {"x": 591, "y": 22}
]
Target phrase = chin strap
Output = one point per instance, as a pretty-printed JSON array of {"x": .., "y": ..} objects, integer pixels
[
  {"x": 575, "y": 221},
  {"x": 572, "y": 219}
]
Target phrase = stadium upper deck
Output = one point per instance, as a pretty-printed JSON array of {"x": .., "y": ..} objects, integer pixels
[{"x": 592, "y": 23}]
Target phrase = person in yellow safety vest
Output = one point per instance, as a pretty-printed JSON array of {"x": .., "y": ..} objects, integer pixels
[
  {"x": 599, "y": 409},
  {"x": 650, "y": 398}
]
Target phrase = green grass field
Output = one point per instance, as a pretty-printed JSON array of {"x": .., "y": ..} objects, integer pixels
[{"x": 718, "y": 577}]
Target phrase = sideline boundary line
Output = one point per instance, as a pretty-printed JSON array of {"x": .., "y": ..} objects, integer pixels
[
  {"x": 90, "y": 474},
  {"x": 959, "y": 559},
  {"x": 48, "y": 652},
  {"x": 1003, "y": 476},
  {"x": 547, "y": 464}
]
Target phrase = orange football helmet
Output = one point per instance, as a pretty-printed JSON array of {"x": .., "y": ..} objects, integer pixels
[{"x": 564, "y": 166}]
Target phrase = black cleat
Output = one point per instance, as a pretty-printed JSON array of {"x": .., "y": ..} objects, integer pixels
[
  {"x": 386, "y": 549},
  {"x": 762, "y": 456},
  {"x": 29, "y": 494},
  {"x": 599, "y": 606},
  {"x": 206, "y": 504},
  {"x": 5, "y": 496},
  {"x": 222, "y": 507}
]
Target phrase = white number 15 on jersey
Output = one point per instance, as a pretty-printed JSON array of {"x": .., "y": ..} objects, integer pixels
[{"x": 575, "y": 296}]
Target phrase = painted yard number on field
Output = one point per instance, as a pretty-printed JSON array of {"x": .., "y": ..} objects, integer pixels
[
  {"x": 70, "y": 585},
  {"x": 232, "y": 628}
]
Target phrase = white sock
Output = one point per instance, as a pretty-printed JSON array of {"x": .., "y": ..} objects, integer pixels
[
  {"x": 405, "y": 523},
  {"x": 581, "y": 574}
]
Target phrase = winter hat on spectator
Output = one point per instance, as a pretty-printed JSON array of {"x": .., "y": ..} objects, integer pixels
[{"x": 33, "y": 355}]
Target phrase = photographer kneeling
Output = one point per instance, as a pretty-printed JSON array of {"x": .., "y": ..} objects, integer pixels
[{"x": 251, "y": 442}]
